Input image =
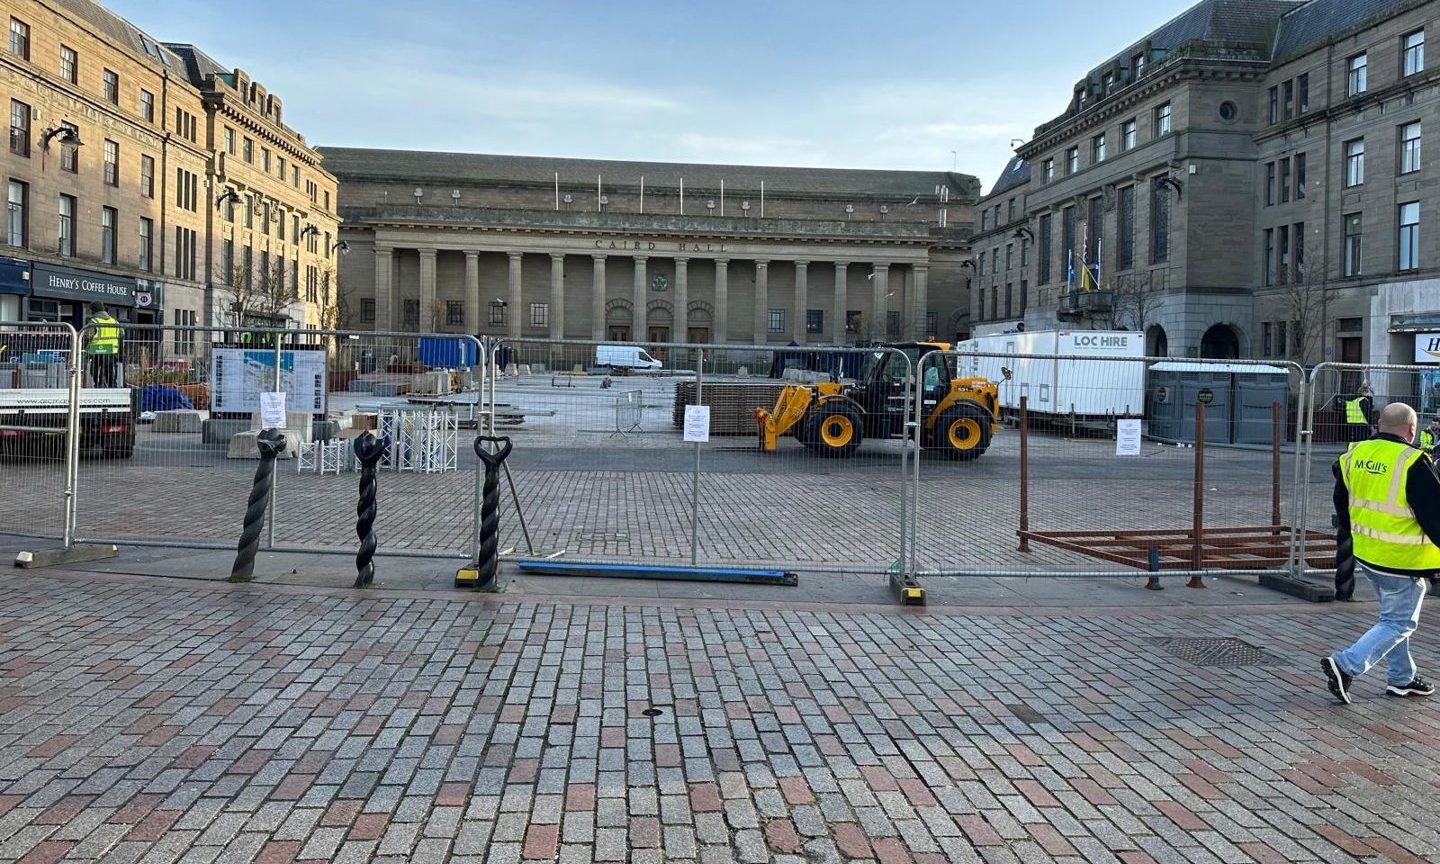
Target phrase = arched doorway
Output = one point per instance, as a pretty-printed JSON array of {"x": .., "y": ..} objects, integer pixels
[
  {"x": 619, "y": 317},
  {"x": 1157, "y": 343},
  {"x": 699, "y": 318},
  {"x": 1220, "y": 342}
]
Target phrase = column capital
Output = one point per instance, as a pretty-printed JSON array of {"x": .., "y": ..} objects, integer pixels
[
  {"x": 515, "y": 256},
  {"x": 841, "y": 265},
  {"x": 722, "y": 262},
  {"x": 640, "y": 259},
  {"x": 920, "y": 268},
  {"x": 762, "y": 263},
  {"x": 387, "y": 251},
  {"x": 557, "y": 257},
  {"x": 881, "y": 266},
  {"x": 598, "y": 257},
  {"x": 802, "y": 263},
  {"x": 680, "y": 262},
  {"x": 427, "y": 251},
  {"x": 472, "y": 254}
]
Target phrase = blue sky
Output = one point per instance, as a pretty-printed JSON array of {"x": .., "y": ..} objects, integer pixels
[{"x": 844, "y": 84}]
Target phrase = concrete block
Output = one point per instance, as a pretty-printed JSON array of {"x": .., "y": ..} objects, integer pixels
[
  {"x": 431, "y": 383},
  {"x": 362, "y": 386},
  {"x": 244, "y": 445},
  {"x": 221, "y": 431},
  {"x": 183, "y": 420},
  {"x": 386, "y": 390}
]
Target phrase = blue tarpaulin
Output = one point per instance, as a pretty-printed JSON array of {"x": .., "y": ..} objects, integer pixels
[{"x": 158, "y": 397}]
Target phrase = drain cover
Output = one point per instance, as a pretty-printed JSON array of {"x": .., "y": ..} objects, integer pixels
[
  {"x": 1026, "y": 714},
  {"x": 1217, "y": 653}
]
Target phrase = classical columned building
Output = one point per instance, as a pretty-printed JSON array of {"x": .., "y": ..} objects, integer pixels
[{"x": 522, "y": 247}]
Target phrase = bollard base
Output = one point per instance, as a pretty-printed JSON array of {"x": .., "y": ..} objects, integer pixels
[
  {"x": 1153, "y": 584},
  {"x": 469, "y": 577},
  {"x": 77, "y": 554}
]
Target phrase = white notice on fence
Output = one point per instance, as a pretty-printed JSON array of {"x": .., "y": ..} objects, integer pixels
[
  {"x": 697, "y": 423},
  {"x": 1127, "y": 438},
  {"x": 272, "y": 410}
]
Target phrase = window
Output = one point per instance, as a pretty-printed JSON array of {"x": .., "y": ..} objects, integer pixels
[
  {"x": 295, "y": 229},
  {"x": 1011, "y": 207},
  {"x": 1353, "y": 234},
  {"x": 1274, "y": 104},
  {"x": 1355, "y": 78},
  {"x": 453, "y": 308},
  {"x": 1281, "y": 343},
  {"x": 777, "y": 321},
  {"x": 412, "y": 313},
  {"x": 146, "y": 258},
  {"x": 1010, "y": 256},
  {"x": 295, "y": 176},
  {"x": 1284, "y": 180},
  {"x": 1138, "y": 64},
  {"x": 1009, "y": 299},
  {"x": 497, "y": 313},
  {"x": 1354, "y": 162},
  {"x": 1299, "y": 176},
  {"x": 1288, "y": 106},
  {"x": 1072, "y": 160},
  {"x": 280, "y": 226},
  {"x": 1097, "y": 149},
  {"x": 67, "y": 225},
  {"x": 1125, "y": 221},
  {"x": 228, "y": 137},
  {"x": 249, "y": 153},
  {"x": 147, "y": 176},
  {"x": 187, "y": 190},
  {"x": 994, "y": 303},
  {"x": 892, "y": 325},
  {"x": 1046, "y": 229},
  {"x": 1410, "y": 236},
  {"x": 985, "y": 219},
  {"x": 1127, "y": 135},
  {"x": 112, "y": 87},
  {"x": 20, "y": 39},
  {"x": 1049, "y": 170},
  {"x": 1410, "y": 148},
  {"x": 1162, "y": 120},
  {"x": 980, "y": 268},
  {"x": 185, "y": 249},
  {"x": 107, "y": 234},
  {"x": 1024, "y": 252},
  {"x": 1302, "y": 93},
  {"x": 454, "y": 312},
  {"x": 1067, "y": 238},
  {"x": 18, "y": 223},
  {"x": 539, "y": 315},
  {"x": 185, "y": 339},
  {"x": 1413, "y": 53},
  {"x": 1265, "y": 332},
  {"x": 1269, "y": 278},
  {"x": 814, "y": 320},
  {"x": 249, "y": 211},
  {"x": 932, "y": 323},
  {"x": 853, "y": 317},
  {"x": 1282, "y": 242},
  {"x": 112, "y": 163},
  {"x": 1109, "y": 83},
  {"x": 281, "y": 167},
  {"x": 147, "y": 106},
  {"x": 265, "y": 159},
  {"x": 227, "y": 260},
  {"x": 1298, "y": 236},
  {"x": 69, "y": 65},
  {"x": 1269, "y": 184},
  {"x": 19, "y": 128},
  {"x": 69, "y": 153},
  {"x": 367, "y": 310},
  {"x": 1159, "y": 223}
]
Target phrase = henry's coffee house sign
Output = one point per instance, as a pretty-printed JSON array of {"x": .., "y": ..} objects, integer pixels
[{"x": 64, "y": 283}]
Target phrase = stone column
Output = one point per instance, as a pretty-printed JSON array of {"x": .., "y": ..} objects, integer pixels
[
  {"x": 761, "y": 326},
  {"x": 473, "y": 306},
  {"x": 920, "y": 302},
  {"x": 428, "y": 318},
  {"x": 557, "y": 295},
  {"x": 640, "y": 328},
  {"x": 597, "y": 299},
  {"x": 384, "y": 301},
  {"x": 879, "y": 329},
  {"x": 680, "y": 329},
  {"x": 722, "y": 301},
  {"x": 842, "y": 274},
  {"x": 514, "y": 324},
  {"x": 799, "y": 327}
]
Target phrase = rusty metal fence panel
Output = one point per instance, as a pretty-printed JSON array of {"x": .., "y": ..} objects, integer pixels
[{"x": 1055, "y": 493}]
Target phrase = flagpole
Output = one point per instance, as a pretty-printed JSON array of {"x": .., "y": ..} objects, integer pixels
[
  {"x": 642, "y": 193},
  {"x": 599, "y": 192},
  {"x": 762, "y": 199},
  {"x": 682, "y": 196},
  {"x": 557, "y": 190}
]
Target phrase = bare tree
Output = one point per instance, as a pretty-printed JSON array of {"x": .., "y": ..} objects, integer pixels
[
  {"x": 1306, "y": 305},
  {"x": 260, "y": 292},
  {"x": 1136, "y": 300},
  {"x": 336, "y": 306}
]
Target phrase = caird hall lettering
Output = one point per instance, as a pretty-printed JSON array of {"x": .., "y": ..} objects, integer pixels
[{"x": 651, "y": 246}]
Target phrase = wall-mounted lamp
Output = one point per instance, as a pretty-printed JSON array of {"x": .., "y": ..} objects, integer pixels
[
  {"x": 968, "y": 263},
  {"x": 1024, "y": 233},
  {"x": 343, "y": 247},
  {"x": 419, "y": 193},
  {"x": 1173, "y": 183},
  {"x": 568, "y": 198},
  {"x": 66, "y": 134},
  {"x": 308, "y": 230},
  {"x": 710, "y": 205},
  {"x": 230, "y": 196},
  {"x": 454, "y": 196}
]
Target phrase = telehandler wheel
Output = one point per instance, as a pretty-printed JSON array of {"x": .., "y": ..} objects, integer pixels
[
  {"x": 806, "y": 432},
  {"x": 837, "y": 430},
  {"x": 963, "y": 433}
]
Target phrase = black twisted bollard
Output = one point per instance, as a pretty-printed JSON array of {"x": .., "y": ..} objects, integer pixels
[
  {"x": 369, "y": 450},
  {"x": 271, "y": 443},
  {"x": 482, "y": 571}
]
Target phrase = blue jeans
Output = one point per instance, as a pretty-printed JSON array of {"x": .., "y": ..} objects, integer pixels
[{"x": 1389, "y": 639}]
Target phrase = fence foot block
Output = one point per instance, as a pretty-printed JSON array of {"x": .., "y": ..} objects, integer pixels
[
  {"x": 907, "y": 590},
  {"x": 1195, "y": 582},
  {"x": 80, "y": 553},
  {"x": 1305, "y": 589}
]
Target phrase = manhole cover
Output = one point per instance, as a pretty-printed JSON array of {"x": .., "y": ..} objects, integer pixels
[
  {"x": 1026, "y": 714},
  {"x": 1217, "y": 653}
]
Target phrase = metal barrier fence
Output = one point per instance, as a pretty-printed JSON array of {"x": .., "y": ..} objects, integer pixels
[
  {"x": 606, "y": 474},
  {"x": 870, "y": 466},
  {"x": 39, "y": 382},
  {"x": 1099, "y": 465}
]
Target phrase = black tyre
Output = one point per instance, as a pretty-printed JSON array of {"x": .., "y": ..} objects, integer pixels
[
  {"x": 838, "y": 430},
  {"x": 962, "y": 433}
]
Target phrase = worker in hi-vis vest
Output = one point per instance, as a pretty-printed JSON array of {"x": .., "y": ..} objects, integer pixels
[
  {"x": 1387, "y": 494},
  {"x": 102, "y": 349},
  {"x": 1360, "y": 411},
  {"x": 1430, "y": 438}
]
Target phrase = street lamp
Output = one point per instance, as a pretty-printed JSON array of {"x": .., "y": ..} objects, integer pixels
[
  {"x": 230, "y": 195},
  {"x": 66, "y": 134}
]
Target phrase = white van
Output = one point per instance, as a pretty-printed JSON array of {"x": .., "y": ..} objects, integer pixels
[{"x": 624, "y": 357}]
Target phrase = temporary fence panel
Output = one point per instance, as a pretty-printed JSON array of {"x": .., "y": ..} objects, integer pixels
[
  {"x": 604, "y": 472},
  {"x": 38, "y": 366},
  {"x": 1114, "y": 489}
]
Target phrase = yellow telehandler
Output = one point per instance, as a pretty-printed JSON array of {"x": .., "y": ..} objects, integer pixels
[{"x": 832, "y": 418}]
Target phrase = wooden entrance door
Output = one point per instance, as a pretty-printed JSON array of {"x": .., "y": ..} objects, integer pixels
[
  {"x": 698, "y": 335},
  {"x": 619, "y": 333}
]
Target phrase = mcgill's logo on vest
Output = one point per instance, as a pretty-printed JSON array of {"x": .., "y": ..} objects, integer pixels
[{"x": 1370, "y": 466}]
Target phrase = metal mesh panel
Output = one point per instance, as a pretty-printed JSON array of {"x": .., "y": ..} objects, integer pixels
[{"x": 35, "y": 363}]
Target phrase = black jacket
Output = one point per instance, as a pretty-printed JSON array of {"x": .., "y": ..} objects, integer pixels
[{"x": 1422, "y": 490}]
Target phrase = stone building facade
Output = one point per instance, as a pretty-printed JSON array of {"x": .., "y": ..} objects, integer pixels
[
  {"x": 1251, "y": 180},
  {"x": 112, "y": 174},
  {"x": 589, "y": 249}
]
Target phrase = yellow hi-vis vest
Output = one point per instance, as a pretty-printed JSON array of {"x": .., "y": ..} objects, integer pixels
[
  {"x": 1382, "y": 524},
  {"x": 1355, "y": 413},
  {"x": 1427, "y": 439},
  {"x": 107, "y": 335}
]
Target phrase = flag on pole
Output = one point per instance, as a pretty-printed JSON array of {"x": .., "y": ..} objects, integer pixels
[
  {"x": 1070, "y": 269},
  {"x": 1085, "y": 257},
  {"x": 1099, "y": 257}
]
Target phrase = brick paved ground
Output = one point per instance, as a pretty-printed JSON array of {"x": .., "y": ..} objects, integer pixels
[{"x": 144, "y": 721}]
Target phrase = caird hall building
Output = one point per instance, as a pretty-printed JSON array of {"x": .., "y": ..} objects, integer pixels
[{"x": 586, "y": 249}]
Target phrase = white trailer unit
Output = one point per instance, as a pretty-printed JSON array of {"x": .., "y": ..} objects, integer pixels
[{"x": 1095, "y": 384}]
